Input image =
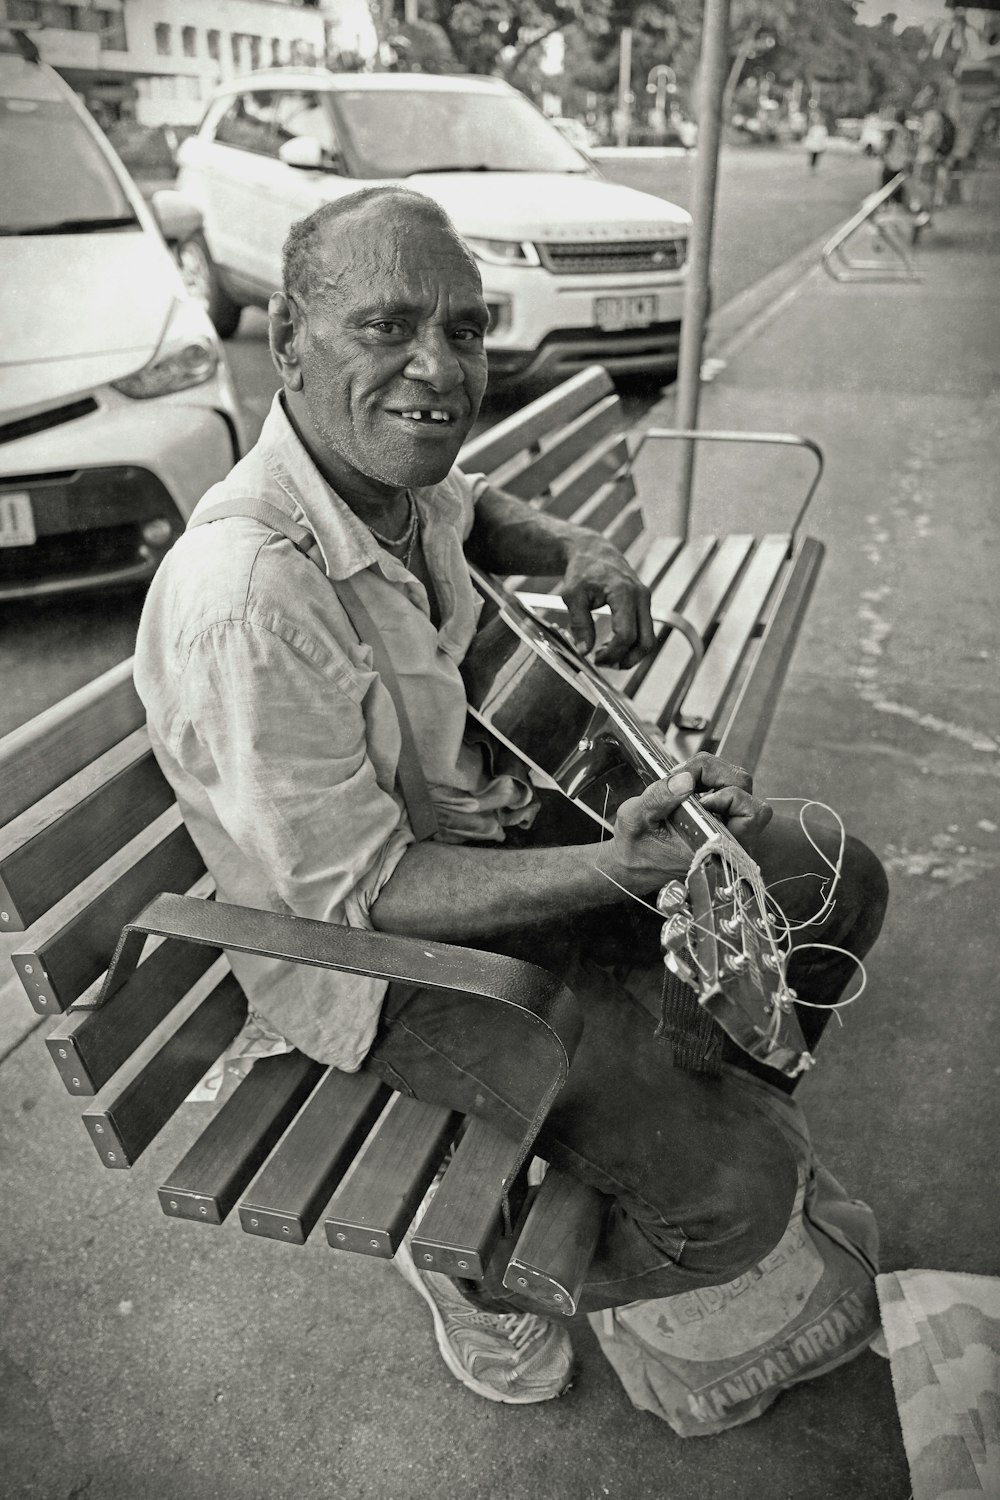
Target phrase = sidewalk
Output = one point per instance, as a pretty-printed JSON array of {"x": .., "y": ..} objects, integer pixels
[{"x": 141, "y": 1357}]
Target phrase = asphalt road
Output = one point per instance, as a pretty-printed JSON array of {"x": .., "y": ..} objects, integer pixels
[{"x": 769, "y": 207}]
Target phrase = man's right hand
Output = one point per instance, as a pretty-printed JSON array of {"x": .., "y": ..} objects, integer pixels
[{"x": 645, "y": 852}]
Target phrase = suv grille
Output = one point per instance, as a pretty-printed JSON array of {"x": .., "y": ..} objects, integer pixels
[{"x": 597, "y": 258}]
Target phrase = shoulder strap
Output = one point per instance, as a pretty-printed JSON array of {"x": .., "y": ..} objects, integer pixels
[{"x": 409, "y": 774}]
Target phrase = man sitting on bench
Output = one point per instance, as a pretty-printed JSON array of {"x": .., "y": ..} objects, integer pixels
[{"x": 279, "y": 733}]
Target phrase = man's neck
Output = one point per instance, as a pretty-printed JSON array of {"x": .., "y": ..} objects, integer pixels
[{"x": 380, "y": 505}]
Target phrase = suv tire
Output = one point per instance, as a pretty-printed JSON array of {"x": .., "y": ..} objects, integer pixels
[{"x": 202, "y": 280}]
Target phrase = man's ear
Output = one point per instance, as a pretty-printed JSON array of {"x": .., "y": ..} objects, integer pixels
[{"x": 284, "y": 323}]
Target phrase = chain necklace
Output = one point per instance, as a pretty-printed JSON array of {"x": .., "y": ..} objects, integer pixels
[{"x": 408, "y": 539}]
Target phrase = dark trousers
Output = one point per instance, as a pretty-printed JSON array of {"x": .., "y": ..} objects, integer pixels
[{"x": 701, "y": 1183}]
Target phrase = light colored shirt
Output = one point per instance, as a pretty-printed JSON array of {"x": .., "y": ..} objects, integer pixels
[{"x": 280, "y": 740}]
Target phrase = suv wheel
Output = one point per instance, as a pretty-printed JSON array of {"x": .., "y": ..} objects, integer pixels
[{"x": 202, "y": 280}]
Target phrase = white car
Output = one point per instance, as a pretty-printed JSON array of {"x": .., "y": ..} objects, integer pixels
[
  {"x": 116, "y": 407},
  {"x": 575, "y": 268}
]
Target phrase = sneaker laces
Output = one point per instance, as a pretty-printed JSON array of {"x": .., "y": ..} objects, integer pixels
[{"x": 522, "y": 1329}]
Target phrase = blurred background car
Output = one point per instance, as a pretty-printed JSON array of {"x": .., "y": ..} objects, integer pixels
[
  {"x": 116, "y": 407},
  {"x": 575, "y": 269}
]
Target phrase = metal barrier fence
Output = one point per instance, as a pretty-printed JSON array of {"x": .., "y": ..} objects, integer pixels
[{"x": 895, "y": 264}]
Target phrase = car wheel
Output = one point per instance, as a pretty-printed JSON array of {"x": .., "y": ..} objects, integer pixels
[{"x": 202, "y": 280}]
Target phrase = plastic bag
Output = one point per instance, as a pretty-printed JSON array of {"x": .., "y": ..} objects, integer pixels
[{"x": 717, "y": 1357}]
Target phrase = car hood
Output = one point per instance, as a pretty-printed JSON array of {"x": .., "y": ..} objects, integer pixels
[
  {"x": 548, "y": 206},
  {"x": 78, "y": 310}
]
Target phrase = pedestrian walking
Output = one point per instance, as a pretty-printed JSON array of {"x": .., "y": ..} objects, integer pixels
[
  {"x": 898, "y": 149},
  {"x": 816, "y": 139}
]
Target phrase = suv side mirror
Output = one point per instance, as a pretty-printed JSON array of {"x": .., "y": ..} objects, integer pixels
[
  {"x": 176, "y": 215},
  {"x": 305, "y": 151}
]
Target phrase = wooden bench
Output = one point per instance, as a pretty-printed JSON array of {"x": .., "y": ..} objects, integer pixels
[{"x": 92, "y": 838}]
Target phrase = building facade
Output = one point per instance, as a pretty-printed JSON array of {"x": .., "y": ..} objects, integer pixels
[{"x": 157, "y": 61}]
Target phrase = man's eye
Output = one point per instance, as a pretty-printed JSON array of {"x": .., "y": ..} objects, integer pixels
[
  {"x": 387, "y": 325},
  {"x": 468, "y": 335}
]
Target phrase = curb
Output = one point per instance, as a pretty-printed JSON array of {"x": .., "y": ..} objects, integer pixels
[{"x": 738, "y": 320}]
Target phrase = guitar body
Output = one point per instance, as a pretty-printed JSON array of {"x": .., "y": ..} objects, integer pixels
[{"x": 530, "y": 688}]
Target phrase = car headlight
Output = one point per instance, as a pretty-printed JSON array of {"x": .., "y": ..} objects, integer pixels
[
  {"x": 188, "y": 355},
  {"x": 504, "y": 252}
]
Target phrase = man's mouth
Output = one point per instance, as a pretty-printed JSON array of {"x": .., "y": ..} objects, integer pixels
[{"x": 428, "y": 415}]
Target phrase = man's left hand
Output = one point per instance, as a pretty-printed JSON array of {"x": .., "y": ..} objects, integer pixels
[{"x": 598, "y": 574}]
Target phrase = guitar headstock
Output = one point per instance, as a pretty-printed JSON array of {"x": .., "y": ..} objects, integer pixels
[{"x": 719, "y": 938}]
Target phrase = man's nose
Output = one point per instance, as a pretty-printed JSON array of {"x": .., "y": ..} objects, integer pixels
[{"x": 433, "y": 359}]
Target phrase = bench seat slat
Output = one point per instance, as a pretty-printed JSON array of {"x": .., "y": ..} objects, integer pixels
[
  {"x": 45, "y": 868},
  {"x": 60, "y": 969},
  {"x": 89, "y": 1046},
  {"x": 372, "y": 1208},
  {"x": 127, "y": 1113},
  {"x": 656, "y": 694},
  {"x": 555, "y": 1247},
  {"x": 286, "y": 1198},
  {"x": 735, "y": 633},
  {"x": 58, "y": 743},
  {"x": 745, "y": 730},
  {"x": 210, "y": 1177},
  {"x": 463, "y": 1222},
  {"x": 520, "y": 430}
]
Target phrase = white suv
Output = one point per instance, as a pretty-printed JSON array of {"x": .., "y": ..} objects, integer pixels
[{"x": 575, "y": 268}]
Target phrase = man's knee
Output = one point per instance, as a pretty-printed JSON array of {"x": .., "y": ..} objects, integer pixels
[
  {"x": 752, "y": 1198},
  {"x": 863, "y": 896}
]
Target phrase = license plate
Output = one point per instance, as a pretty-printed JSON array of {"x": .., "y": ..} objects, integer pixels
[
  {"x": 614, "y": 313},
  {"x": 17, "y": 521}
]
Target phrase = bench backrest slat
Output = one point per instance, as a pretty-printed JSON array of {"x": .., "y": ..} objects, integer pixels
[
  {"x": 372, "y": 1208},
  {"x": 216, "y": 1169},
  {"x": 89, "y": 1046},
  {"x": 532, "y": 479},
  {"x": 127, "y": 1113},
  {"x": 289, "y": 1193},
  {"x": 602, "y": 464},
  {"x": 486, "y": 453},
  {"x": 60, "y": 968},
  {"x": 54, "y": 745},
  {"x": 48, "y": 866}
]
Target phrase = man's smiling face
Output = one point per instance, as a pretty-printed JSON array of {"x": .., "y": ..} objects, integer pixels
[{"x": 388, "y": 346}]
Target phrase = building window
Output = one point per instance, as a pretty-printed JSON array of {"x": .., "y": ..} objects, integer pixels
[
  {"x": 111, "y": 30},
  {"x": 235, "y": 42},
  {"x": 24, "y": 12},
  {"x": 188, "y": 35},
  {"x": 275, "y": 52},
  {"x": 162, "y": 33},
  {"x": 212, "y": 38},
  {"x": 255, "y": 52}
]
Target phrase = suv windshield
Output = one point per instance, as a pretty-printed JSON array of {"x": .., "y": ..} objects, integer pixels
[
  {"x": 56, "y": 179},
  {"x": 398, "y": 132}
]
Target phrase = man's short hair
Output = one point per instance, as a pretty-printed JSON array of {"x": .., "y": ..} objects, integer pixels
[{"x": 300, "y": 260}]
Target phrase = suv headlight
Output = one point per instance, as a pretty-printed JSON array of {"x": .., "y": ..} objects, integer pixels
[
  {"x": 503, "y": 252},
  {"x": 188, "y": 354}
]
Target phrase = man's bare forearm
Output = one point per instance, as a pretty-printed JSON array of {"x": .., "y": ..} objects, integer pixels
[
  {"x": 453, "y": 893},
  {"x": 510, "y": 536}
]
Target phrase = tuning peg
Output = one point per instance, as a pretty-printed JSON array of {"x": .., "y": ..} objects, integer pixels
[
  {"x": 672, "y": 898},
  {"x": 674, "y": 932}
]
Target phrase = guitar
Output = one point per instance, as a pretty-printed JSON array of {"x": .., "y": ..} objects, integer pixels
[{"x": 721, "y": 934}]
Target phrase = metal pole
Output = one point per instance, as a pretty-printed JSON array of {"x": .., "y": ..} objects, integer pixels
[
  {"x": 624, "y": 84},
  {"x": 714, "y": 59}
]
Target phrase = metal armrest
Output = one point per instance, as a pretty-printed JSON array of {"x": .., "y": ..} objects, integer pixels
[
  {"x": 531, "y": 992},
  {"x": 773, "y": 439}
]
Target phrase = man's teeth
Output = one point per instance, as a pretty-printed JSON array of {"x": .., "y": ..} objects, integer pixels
[{"x": 427, "y": 416}]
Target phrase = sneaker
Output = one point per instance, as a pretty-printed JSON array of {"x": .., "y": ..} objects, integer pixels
[{"x": 516, "y": 1357}]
